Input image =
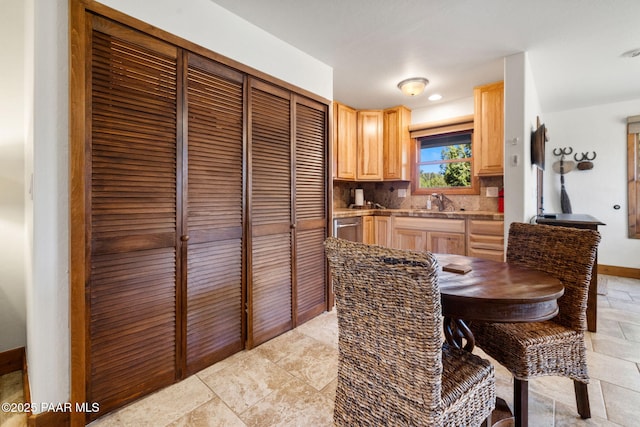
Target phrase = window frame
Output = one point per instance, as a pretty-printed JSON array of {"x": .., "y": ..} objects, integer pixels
[{"x": 445, "y": 127}]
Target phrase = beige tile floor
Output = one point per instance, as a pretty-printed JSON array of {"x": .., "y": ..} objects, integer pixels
[
  {"x": 11, "y": 392},
  {"x": 291, "y": 380}
]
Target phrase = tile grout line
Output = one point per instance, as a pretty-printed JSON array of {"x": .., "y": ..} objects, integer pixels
[{"x": 215, "y": 395}]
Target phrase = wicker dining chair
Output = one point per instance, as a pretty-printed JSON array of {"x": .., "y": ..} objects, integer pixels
[
  {"x": 553, "y": 347},
  {"x": 393, "y": 368}
]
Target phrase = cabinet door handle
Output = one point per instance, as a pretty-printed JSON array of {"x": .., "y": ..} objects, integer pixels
[
  {"x": 184, "y": 238},
  {"x": 346, "y": 225}
]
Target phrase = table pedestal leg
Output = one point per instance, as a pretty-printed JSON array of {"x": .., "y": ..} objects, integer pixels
[
  {"x": 455, "y": 331},
  {"x": 502, "y": 416}
]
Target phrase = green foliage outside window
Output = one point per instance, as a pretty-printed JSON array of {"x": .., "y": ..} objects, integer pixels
[
  {"x": 432, "y": 180},
  {"x": 445, "y": 161}
]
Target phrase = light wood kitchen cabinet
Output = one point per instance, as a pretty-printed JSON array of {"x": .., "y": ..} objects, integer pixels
[
  {"x": 446, "y": 243},
  {"x": 368, "y": 230},
  {"x": 485, "y": 239},
  {"x": 344, "y": 142},
  {"x": 369, "y": 145},
  {"x": 410, "y": 239},
  {"x": 397, "y": 144},
  {"x": 489, "y": 129},
  {"x": 383, "y": 228},
  {"x": 430, "y": 234}
]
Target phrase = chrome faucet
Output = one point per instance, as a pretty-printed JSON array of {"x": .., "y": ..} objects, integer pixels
[{"x": 439, "y": 199}]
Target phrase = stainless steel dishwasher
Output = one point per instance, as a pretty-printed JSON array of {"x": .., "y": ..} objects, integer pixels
[{"x": 348, "y": 228}]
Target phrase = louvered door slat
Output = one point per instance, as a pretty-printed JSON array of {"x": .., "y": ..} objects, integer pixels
[
  {"x": 311, "y": 274},
  {"x": 311, "y": 209},
  {"x": 132, "y": 288},
  {"x": 214, "y": 213},
  {"x": 271, "y": 273},
  {"x": 271, "y": 286}
]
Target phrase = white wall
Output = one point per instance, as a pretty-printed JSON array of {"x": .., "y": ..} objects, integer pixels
[
  {"x": 211, "y": 26},
  {"x": 594, "y": 192},
  {"x": 12, "y": 183},
  {"x": 532, "y": 111},
  {"x": 47, "y": 286},
  {"x": 514, "y": 118},
  {"x": 443, "y": 110},
  {"x": 46, "y": 148},
  {"x": 521, "y": 108}
]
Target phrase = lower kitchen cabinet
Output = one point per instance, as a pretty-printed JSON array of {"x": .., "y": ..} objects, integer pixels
[
  {"x": 446, "y": 243},
  {"x": 486, "y": 239},
  {"x": 383, "y": 229},
  {"x": 410, "y": 239},
  {"x": 376, "y": 230},
  {"x": 368, "y": 230},
  {"x": 430, "y": 234},
  {"x": 481, "y": 238}
]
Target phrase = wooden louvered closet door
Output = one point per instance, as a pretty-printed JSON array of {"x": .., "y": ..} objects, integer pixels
[
  {"x": 199, "y": 200},
  {"x": 310, "y": 122},
  {"x": 133, "y": 216},
  {"x": 270, "y": 285},
  {"x": 214, "y": 206}
]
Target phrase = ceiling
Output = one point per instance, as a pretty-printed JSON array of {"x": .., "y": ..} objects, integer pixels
[{"x": 575, "y": 47}]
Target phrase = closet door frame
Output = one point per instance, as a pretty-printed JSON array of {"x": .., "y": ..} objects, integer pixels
[
  {"x": 81, "y": 200},
  {"x": 80, "y": 12}
]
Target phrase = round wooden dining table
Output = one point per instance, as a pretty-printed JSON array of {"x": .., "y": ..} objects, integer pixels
[{"x": 476, "y": 289}]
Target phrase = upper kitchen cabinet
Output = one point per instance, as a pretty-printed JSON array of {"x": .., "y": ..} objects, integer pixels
[
  {"x": 369, "y": 143},
  {"x": 489, "y": 129},
  {"x": 397, "y": 144},
  {"x": 344, "y": 142}
]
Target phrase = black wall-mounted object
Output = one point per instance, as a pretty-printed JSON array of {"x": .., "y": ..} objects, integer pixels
[{"x": 538, "y": 142}]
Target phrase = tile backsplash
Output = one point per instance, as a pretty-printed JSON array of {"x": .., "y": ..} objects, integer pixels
[{"x": 386, "y": 194}]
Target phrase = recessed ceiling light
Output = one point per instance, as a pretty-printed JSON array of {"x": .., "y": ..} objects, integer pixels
[
  {"x": 631, "y": 53},
  {"x": 435, "y": 97}
]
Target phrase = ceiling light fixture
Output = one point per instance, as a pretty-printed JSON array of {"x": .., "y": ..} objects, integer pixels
[
  {"x": 413, "y": 86},
  {"x": 435, "y": 97}
]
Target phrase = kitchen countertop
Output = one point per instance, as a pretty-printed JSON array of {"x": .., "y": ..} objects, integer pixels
[{"x": 419, "y": 213}]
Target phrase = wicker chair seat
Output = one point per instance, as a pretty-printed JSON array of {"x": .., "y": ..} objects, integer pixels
[
  {"x": 466, "y": 383},
  {"x": 537, "y": 349}
]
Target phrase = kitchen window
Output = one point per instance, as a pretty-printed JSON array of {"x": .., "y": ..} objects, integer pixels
[{"x": 444, "y": 158}]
